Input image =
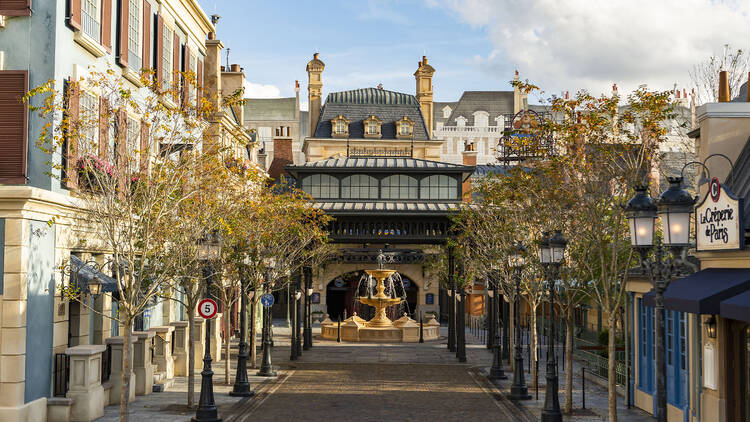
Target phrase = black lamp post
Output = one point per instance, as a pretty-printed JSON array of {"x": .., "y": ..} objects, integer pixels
[
  {"x": 266, "y": 369},
  {"x": 295, "y": 295},
  {"x": 451, "y": 301},
  {"x": 518, "y": 390},
  {"x": 461, "y": 329},
  {"x": 241, "y": 384},
  {"x": 496, "y": 371},
  {"x": 307, "y": 274},
  {"x": 208, "y": 249},
  {"x": 674, "y": 208},
  {"x": 551, "y": 251}
]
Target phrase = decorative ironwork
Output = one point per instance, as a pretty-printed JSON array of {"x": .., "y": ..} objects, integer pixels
[
  {"x": 384, "y": 152},
  {"x": 369, "y": 255},
  {"x": 61, "y": 374},
  {"x": 107, "y": 363},
  {"x": 362, "y": 228},
  {"x": 524, "y": 137}
]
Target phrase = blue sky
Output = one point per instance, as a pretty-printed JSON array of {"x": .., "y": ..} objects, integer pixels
[
  {"x": 476, "y": 44},
  {"x": 362, "y": 44}
]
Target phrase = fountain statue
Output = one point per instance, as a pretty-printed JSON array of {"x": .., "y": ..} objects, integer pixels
[{"x": 380, "y": 328}]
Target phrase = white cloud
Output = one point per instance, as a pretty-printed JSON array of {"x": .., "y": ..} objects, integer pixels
[
  {"x": 253, "y": 90},
  {"x": 575, "y": 44}
]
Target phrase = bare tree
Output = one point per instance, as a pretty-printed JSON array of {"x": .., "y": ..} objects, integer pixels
[{"x": 705, "y": 75}]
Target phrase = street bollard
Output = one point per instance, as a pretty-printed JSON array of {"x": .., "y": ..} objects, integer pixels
[
  {"x": 583, "y": 387},
  {"x": 421, "y": 329},
  {"x": 338, "y": 337}
]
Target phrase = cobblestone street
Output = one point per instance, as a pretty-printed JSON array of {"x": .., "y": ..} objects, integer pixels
[{"x": 371, "y": 382}]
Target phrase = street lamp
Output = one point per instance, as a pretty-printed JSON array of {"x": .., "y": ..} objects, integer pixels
[
  {"x": 518, "y": 390},
  {"x": 496, "y": 371},
  {"x": 209, "y": 249},
  {"x": 294, "y": 353},
  {"x": 266, "y": 370},
  {"x": 241, "y": 384},
  {"x": 674, "y": 208},
  {"x": 551, "y": 253}
]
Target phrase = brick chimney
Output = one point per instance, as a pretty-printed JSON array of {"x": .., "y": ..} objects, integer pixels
[
  {"x": 469, "y": 159},
  {"x": 282, "y": 152},
  {"x": 212, "y": 72},
  {"x": 724, "y": 94},
  {"x": 233, "y": 79}
]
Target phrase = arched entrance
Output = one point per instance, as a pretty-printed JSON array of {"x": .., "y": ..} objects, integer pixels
[{"x": 341, "y": 294}]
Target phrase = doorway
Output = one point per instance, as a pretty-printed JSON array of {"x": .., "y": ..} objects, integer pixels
[{"x": 738, "y": 382}]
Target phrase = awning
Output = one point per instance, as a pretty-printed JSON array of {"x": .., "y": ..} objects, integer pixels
[
  {"x": 85, "y": 274},
  {"x": 737, "y": 307},
  {"x": 702, "y": 292}
]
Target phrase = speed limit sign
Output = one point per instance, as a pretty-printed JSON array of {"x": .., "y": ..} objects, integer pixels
[{"x": 207, "y": 308}]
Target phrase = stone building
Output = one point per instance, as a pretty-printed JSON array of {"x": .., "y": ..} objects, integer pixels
[{"x": 43, "y": 334}]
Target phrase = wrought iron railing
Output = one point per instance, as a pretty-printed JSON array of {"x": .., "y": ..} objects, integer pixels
[
  {"x": 598, "y": 365},
  {"x": 344, "y": 229},
  {"x": 61, "y": 374},
  {"x": 382, "y": 152}
]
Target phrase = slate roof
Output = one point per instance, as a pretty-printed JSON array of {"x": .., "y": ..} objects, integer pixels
[
  {"x": 437, "y": 110},
  {"x": 493, "y": 102},
  {"x": 391, "y": 208},
  {"x": 738, "y": 180},
  {"x": 356, "y": 105},
  {"x": 379, "y": 163},
  {"x": 742, "y": 96},
  {"x": 281, "y": 109}
]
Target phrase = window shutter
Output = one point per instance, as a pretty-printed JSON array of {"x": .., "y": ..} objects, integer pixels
[
  {"x": 144, "y": 159},
  {"x": 74, "y": 14},
  {"x": 147, "y": 20},
  {"x": 185, "y": 82},
  {"x": 13, "y": 126},
  {"x": 103, "y": 129},
  {"x": 176, "y": 50},
  {"x": 106, "y": 25},
  {"x": 199, "y": 85},
  {"x": 122, "y": 35},
  {"x": 15, "y": 7},
  {"x": 159, "y": 63},
  {"x": 70, "y": 144}
]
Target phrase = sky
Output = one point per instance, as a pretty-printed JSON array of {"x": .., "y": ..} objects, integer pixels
[{"x": 558, "y": 45}]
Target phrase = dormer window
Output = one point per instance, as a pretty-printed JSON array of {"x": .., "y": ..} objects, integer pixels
[
  {"x": 339, "y": 127},
  {"x": 404, "y": 128},
  {"x": 372, "y": 127}
]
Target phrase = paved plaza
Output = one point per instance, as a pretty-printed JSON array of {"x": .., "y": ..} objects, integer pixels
[{"x": 372, "y": 382}]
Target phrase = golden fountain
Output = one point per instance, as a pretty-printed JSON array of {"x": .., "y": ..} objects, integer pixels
[
  {"x": 380, "y": 301},
  {"x": 380, "y": 328}
]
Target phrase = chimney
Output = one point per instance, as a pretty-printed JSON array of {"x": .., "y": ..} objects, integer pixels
[
  {"x": 231, "y": 81},
  {"x": 469, "y": 159},
  {"x": 692, "y": 109},
  {"x": 724, "y": 94},
  {"x": 423, "y": 77},
  {"x": 567, "y": 95},
  {"x": 314, "y": 69},
  {"x": 614, "y": 90},
  {"x": 518, "y": 97},
  {"x": 296, "y": 102},
  {"x": 282, "y": 152}
]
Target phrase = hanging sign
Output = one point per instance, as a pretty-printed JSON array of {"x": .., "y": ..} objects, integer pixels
[
  {"x": 207, "y": 308},
  {"x": 719, "y": 220}
]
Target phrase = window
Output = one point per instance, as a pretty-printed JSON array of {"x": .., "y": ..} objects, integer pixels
[
  {"x": 166, "y": 59},
  {"x": 439, "y": 186},
  {"x": 194, "y": 69},
  {"x": 321, "y": 186},
  {"x": 90, "y": 19},
  {"x": 399, "y": 186},
  {"x": 404, "y": 129},
  {"x": 340, "y": 127},
  {"x": 372, "y": 128},
  {"x": 670, "y": 336},
  {"x": 359, "y": 186},
  {"x": 683, "y": 342},
  {"x": 446, "y": 112},
  {"x": 133, "y": 144},
  {"x": 89, "y": 130},
  {"x": 481, "y": 119},
  {"x": 134, "y": 35}
]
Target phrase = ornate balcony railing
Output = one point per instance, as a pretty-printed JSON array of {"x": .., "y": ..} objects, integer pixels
[{"x": 389, "y": 230}]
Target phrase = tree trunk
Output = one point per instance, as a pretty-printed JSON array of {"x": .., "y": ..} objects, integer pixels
[
  {"x": 534, "y": 345},
  {"x": 227, "y": 340},
  {"x": 125, "y": 378},
  {"x": 611, "y": 380},
  {"x": 191, "y": 358},
  {"x": 569, "y": 327},
  {"x": 253, "y": 333},
  {"x": 512, "y": 333}
]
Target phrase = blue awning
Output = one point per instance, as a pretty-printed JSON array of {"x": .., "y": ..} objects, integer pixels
[
  {"x": 702, "y": 292},
  {"x": 85, "y": 273},
  {"x": 737, "y": 307}
]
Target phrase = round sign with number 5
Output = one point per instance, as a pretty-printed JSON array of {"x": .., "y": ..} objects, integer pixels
[{"x": 207, "y": 308}]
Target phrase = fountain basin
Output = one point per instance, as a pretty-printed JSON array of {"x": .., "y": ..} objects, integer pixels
[{"x": 403, "y": 330}]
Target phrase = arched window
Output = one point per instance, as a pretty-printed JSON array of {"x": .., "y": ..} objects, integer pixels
[
  {"x": 359, "y": 186},
  {"x": 439, "y": 186},
  {"x": 481, "y": 118},
  {"x": 399, "y": 186},
  {"x": 323, "y": 186}
]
